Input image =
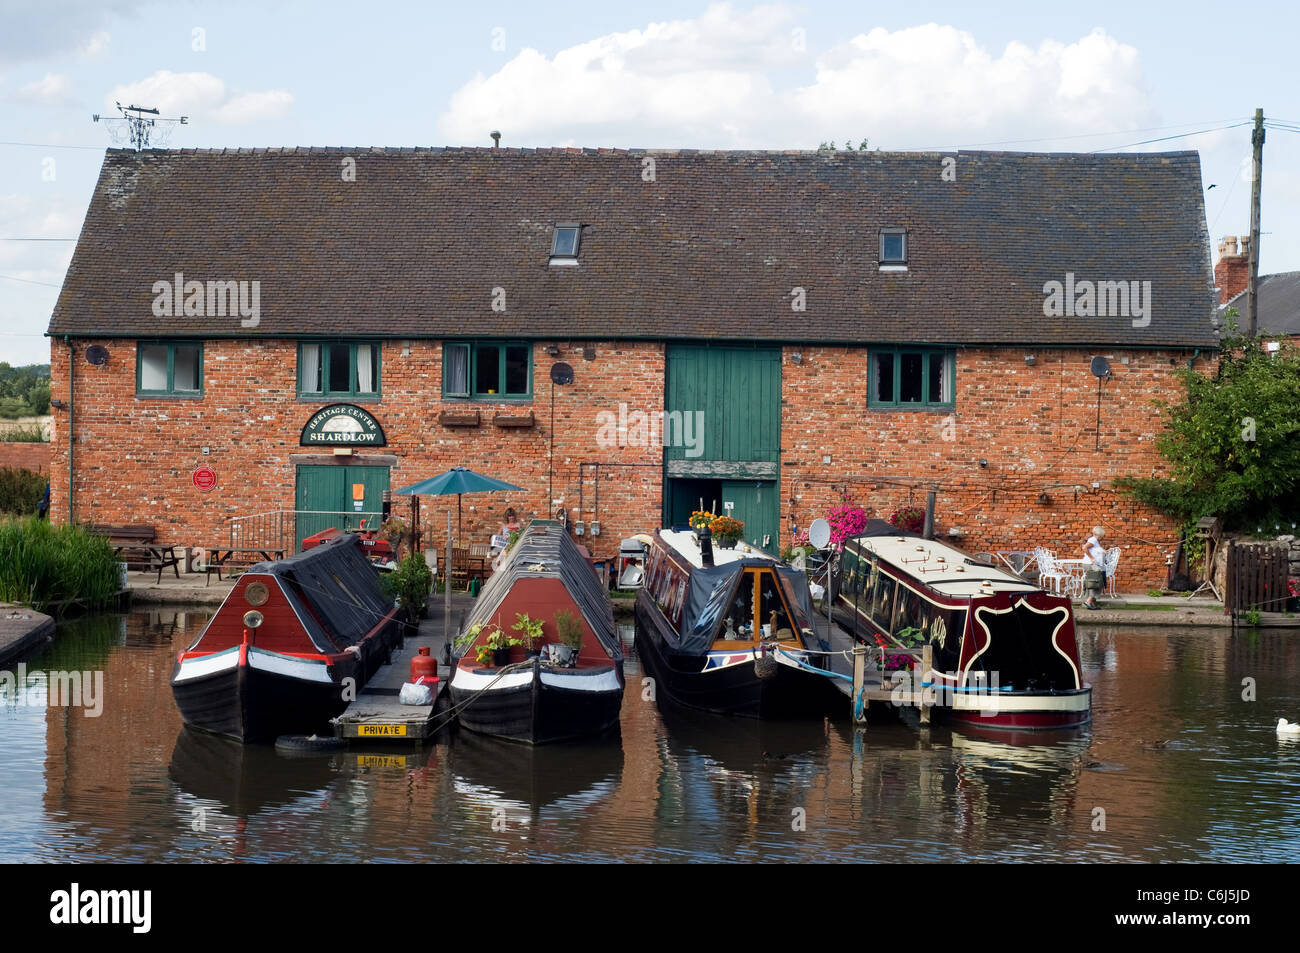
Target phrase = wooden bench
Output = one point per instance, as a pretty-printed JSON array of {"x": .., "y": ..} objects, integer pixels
[
  {"x": 233, "y": 558},
  {"x": 135, "y": 543}
]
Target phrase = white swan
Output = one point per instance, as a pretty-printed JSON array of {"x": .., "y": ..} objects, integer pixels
[{"x": 1285, "y": 727}]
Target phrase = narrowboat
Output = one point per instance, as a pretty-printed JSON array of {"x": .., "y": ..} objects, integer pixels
[
  {"x": 540, "y": 699},
  {"x": 730, "y": 631},
  {"x": 1004, "y": 650},
  {"x": 291, "y": 645}
]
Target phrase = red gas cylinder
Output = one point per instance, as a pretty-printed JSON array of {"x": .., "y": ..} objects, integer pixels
[{"x": 424, "y": 667}]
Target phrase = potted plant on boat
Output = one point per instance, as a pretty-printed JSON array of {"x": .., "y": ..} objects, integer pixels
[
  {"x": 531, "y": 631},
  {"x": 726, "y": 531},
  {"x": 564, "y": 653},
  {"x": 498, "y": 648}
]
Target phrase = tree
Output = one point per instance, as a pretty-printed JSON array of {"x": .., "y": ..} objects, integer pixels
[{"x": 1233, "y": 443}]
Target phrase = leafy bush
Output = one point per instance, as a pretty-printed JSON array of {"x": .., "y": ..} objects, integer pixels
[
  {"x": 1233, "y": 443},
  {"x": 410, "y": 584},
  {"x": 20, "y": 490},
  {"x": 48, "y": 567}
]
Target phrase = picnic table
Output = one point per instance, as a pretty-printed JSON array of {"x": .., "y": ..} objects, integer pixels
[
  {"x": 219, "y": 556},
  {"x": 137, "y": 543}
]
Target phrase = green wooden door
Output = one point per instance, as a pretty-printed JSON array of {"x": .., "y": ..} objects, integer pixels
[
  {"x": 756, "y": 506},
  {"x": 728, "y": 399},
  {"x": 735, "y": 393},
  {"x": 338, "y": 497}
]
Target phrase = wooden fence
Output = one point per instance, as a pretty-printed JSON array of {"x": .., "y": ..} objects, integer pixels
[{"x": 1256, "y": 578}]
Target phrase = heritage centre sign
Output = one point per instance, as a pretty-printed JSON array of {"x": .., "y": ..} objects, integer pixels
[{"x": 342, "y": 425}]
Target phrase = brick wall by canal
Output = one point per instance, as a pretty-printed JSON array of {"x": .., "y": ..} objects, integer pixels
[{"x": 1035, "y": 425}]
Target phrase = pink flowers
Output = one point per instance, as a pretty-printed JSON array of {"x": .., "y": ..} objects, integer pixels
[{"x": 847, "y": 520}]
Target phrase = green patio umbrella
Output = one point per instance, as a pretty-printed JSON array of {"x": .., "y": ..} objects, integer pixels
[{"x": 457, "y": 480}]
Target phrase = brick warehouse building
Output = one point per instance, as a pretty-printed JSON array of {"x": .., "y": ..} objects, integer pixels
[{"x": 816, "y": 322}]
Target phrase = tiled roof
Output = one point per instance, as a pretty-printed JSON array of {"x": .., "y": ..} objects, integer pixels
[
  {"x": 709, "y": 247},
  {"x": 1278, "y": 309}
]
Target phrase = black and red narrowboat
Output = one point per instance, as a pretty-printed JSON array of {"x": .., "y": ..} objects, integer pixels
[
  {"x": 730, "y": 631},
  {"x": 1004, "y": 651},
  {"x": 539, "y": 700},
  {"x": 291, "y": 645}
]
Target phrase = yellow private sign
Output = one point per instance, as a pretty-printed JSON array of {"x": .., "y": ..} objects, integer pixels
[{"x": 381, "y": 731}]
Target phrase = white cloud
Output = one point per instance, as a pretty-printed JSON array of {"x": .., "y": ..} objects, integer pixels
[
  {"x": 52, "y": 89},
  {"x": 97, "y": 45},
  {"x": 722, "y": 80},
  {"x": 271, "y": 104},
  {"x": 202, "y": 96}
]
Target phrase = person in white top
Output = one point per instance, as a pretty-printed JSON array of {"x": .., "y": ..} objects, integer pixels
[{"x": 1094, "y": 555}]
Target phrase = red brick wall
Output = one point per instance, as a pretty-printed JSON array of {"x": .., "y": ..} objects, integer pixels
[
  {"x": 1035, "y": 425},
  {"x": 135, "y": 456},
  {"x": 25, "y": 456}
]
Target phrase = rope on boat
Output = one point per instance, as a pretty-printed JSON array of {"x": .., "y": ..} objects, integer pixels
[
  {"x": 806, "y": 667},
  {"x": 454, "y": 710}
]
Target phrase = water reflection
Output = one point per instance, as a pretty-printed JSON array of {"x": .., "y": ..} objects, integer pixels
[{"x": 1178, "y": 764}]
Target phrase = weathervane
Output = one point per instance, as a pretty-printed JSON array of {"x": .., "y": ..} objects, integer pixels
[{"x": 138, "y": 125}]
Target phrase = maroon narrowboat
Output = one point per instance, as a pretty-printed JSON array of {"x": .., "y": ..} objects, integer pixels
[
  {"x": 290, "y": 647},
  {"x": 558, "y": 695},
  {"x": 1004, "y": 650}
]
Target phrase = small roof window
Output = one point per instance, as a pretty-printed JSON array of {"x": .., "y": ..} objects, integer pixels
[
  {"x": 565, "y": 243},
  {"x": 893, "y": 246}
]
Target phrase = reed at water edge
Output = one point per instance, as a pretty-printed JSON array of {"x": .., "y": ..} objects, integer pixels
[{"x": 50, "y": 568}]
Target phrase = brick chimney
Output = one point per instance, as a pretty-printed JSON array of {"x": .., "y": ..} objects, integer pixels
[{"x": 1233, "y": 269}]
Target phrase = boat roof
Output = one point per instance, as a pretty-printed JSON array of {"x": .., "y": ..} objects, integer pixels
[
  {"x": 545, "y": 551},
  {"x": 946, "y": 570},
  {"x": 685, "y": 543}
]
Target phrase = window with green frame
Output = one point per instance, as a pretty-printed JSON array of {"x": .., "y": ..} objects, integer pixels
[
  {"x": 169, "y": 369},
  {"x": 906, "y": 377},
  {"x": 338, "y": 369},
  {"x": 487, "y": 370}
]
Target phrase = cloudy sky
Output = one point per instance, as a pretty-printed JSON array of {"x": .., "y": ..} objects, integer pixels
[{"x": 1017, "y": 76}]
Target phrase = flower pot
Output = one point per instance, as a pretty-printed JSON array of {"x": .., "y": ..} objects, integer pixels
[
  {"x": 725, "y": 543},
  {"x": 562, "y": 655},
  {"x": 500, "y": 657}
]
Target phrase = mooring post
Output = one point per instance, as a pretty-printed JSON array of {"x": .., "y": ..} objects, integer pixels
[
  {"x": 859, "y": 683},
  {"x": 927, "y": 662}
]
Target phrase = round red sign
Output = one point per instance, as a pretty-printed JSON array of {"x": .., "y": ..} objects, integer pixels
[{"x": 205, "y": 478}]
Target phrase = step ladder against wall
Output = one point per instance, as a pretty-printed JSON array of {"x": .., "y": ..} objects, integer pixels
[{"x": 1256, "y": 578}]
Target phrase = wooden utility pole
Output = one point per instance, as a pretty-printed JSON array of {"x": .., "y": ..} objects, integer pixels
[{"x": 1252, "y": 280}]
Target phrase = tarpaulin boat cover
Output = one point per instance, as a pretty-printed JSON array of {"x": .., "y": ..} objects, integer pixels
[
  {"x": 334, "y": 590},
  {"x": 711, "y": 590},
  {"x": 545, "y": 551}
]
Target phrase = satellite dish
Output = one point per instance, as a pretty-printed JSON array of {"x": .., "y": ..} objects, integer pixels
[
  {"x": 97, "y": 354},
  {"x": 561, "y": 373},
  {"x": 819, "y": 533},
  {"x": 1100, "y": 367}
]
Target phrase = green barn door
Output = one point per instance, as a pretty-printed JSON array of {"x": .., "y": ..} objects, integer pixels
[
  {"x": 726, "y": 402},
  {"x": 755, "y": 506},
  {"x": 338, "y": 497}
]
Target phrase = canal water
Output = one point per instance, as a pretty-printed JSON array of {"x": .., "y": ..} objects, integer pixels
[{"x": 1176, "y": 766}]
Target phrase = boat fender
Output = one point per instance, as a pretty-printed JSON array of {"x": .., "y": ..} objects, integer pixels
[
  {"x": 308, "y": 744},
  {"x": 354, "y": 649},
  {"x": 765, "y": 666}
]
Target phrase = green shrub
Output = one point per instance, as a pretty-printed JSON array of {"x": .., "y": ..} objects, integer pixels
[
  {"x": 410, "y": 584},
  {"x": 50, "y": 567},
  {"x": 20, "y": 490}
]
